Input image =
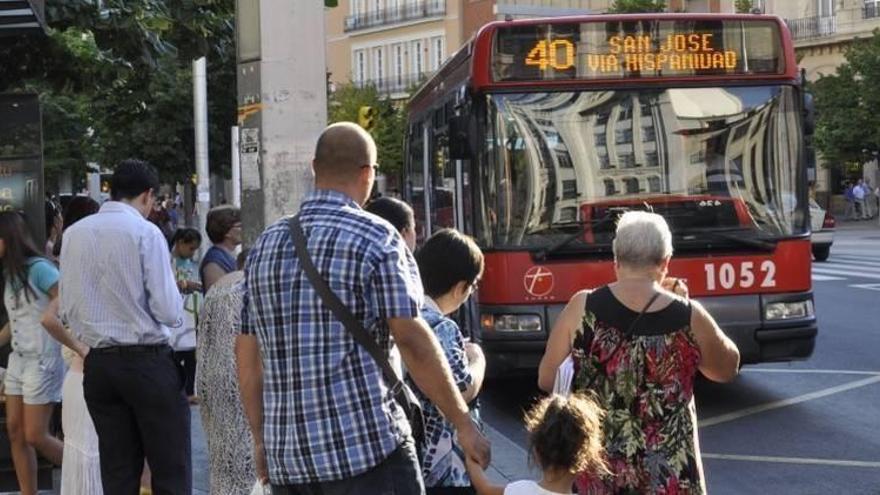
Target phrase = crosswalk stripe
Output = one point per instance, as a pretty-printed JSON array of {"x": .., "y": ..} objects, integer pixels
[
  {"x": 825, "y": 278},
  {"x": 845, "y": 267},
  {"x": 831, "y": 272},
  {"x": 855, "y": 259},
  {"x": 851, "y": 262}
]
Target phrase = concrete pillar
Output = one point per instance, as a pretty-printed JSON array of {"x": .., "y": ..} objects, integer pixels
[{"x": 282, "y": 99}]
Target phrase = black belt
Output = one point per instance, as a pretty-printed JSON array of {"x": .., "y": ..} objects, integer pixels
[{"x": 131, "y": 349}]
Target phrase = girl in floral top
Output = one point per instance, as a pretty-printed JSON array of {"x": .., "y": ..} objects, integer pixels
[
  {"x": 637, "y": 344},
  {"x": 450, "y": 265}
]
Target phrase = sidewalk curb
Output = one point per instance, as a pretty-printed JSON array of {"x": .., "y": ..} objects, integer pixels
[{"x": 510, "y": 462}]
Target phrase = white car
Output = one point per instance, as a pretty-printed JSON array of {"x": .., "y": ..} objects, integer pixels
[{"x": 822, "y": 224}]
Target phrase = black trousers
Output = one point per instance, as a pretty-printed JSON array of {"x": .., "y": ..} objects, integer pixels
[
  {"x": 135, "y": 396},
  {"x": 187, "y": 359}
]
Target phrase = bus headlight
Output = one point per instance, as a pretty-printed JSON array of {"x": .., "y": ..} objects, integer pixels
[
  {"x": 511, "y": 323},
  {"x": 788, "y": 310}
]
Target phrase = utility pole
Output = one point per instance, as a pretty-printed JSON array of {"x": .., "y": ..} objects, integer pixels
[
  {"x": 200, "y": 118},
  {"x": 282, "y": 105}
]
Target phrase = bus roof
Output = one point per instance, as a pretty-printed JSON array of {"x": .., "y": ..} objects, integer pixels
[{"x": 470, "y": 65}]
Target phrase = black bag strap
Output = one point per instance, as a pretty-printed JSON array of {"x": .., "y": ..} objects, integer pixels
[
  {"x": 644, "y": 310},
  {"x": 343, "y": 314}
]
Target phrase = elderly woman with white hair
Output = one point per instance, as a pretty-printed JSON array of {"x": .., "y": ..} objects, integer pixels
[{"x": 637, "y": 344}]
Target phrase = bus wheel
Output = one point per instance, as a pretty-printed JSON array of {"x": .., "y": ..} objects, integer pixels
[{"x": 821, "y": 253}]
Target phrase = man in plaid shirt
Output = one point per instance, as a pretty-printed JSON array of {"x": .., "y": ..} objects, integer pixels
[{"x": 319, "y": 408}]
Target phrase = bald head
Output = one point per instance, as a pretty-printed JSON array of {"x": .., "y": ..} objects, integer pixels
[{"x": 343, "y": 150}]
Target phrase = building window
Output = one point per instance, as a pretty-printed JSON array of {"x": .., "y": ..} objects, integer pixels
[
  {"x": 609, "y": 187},
  {"x": 604, "y": 162},
  {"x": 360, "y": 67},
  {"x": 601, "y": 139},
  {"x": 379, "y": 65},
  {"x": 627, "y": 160},
  {"x": 418, "y": 58},
  {"x": 568, "y": 214},
  {"x": 564, "y": 159},
  {"x": 626, "y": 110},
  {"x": 398, "y": 64},
  {"x": 825, "y": 8},
  {"x": 631, "y": 185},
  {"x": 649, "y": 135},
  {"x": 569, "y": 189},
  {"x": 623, "y": 136},
  {"x": 602, "y": 118},
  {"x": 654, "y": 184},
  {"x": 740, "y": 132},
  {"x": 437, "y": 48},
  {"x": 872, "y": 9},
  {"x": 651, "y": 159}
]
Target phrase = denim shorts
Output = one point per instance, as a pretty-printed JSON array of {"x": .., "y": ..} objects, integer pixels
[{"x": 38, "y": 379}]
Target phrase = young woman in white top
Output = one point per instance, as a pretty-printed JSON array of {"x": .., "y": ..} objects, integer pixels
[
  {"x": 565, "y": 439},
  {"x": 35, "y": 371}
]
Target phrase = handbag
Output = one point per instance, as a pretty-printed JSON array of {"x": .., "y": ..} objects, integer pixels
[{"x": 401, "y": 392}]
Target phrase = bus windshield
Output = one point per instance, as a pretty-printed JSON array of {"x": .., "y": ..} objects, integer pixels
[{"x": 721, "y": 164}]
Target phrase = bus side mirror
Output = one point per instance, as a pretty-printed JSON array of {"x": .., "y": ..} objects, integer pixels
[{"x": 460, "y": 147}]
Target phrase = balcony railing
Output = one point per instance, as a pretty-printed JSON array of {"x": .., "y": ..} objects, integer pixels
[
  {"x": 812, "y": 27},
  {"x": 871, "y": 11},
  {"x": 394, "y": 84},
  {"x": 401, "y": 13}
]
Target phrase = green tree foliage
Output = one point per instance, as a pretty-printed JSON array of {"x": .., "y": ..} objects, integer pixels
[
  {"x": 116, "y": 82},
  {"x": 847, "y": 105},
  {"x": 636, "y": 6},
  {"x": 390, "y": 124},
  {"x": 743, "y": 6}
]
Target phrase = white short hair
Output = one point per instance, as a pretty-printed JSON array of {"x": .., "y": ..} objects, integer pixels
[{"x": 642, "y": 240}]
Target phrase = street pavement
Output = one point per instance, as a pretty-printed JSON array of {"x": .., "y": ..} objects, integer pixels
[{"x": 808, "y": 427}]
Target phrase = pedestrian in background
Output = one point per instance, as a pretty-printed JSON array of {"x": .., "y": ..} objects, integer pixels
[
  {"x": 399, "y": 215},
  {"x": 638, "y": 346},
  {"x": 565, "y": 440},
  {"x": 230, "y": 445},
  {"x": 35, "y": 372},
  {"x": 859, "y": 198},
  {"x": 450, "y": 265},
  {"x": 53, "y": 228},
  {"x": 318, "y": 405},
  {"x": 849, "y": 196},
  {"x": 223, "y": 227},
  {"x": 185, "y": 244},
  {"x": 119, "y": 296},
  {"x": 81, "y": 469}
]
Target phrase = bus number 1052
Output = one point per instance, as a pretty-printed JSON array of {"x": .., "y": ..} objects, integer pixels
[{"x": 728, "y": 275}]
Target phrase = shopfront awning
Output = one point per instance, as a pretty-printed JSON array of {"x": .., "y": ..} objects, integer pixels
[{"x": 19, "y": 17}]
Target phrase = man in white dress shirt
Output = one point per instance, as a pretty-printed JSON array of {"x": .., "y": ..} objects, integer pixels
[{"x": 119, "y": 296}]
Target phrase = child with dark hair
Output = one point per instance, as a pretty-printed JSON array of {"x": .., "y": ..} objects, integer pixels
[
  {"x": 565, "y": 440},
  {"x": 184, "y": 244},
  {"x": 450, "y": 265},
  {"x": 399, "y": 214}
]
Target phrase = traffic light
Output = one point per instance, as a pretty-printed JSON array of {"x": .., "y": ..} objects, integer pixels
[{"x": 367, "y": 118}]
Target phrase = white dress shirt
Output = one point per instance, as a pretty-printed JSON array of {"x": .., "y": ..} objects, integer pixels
[{"x": 117, "y": 286}]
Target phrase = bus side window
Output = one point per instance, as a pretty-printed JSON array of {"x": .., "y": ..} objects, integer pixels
[
  {"x": 443, "y": 174},
  {"x": 415, "y": 179}
]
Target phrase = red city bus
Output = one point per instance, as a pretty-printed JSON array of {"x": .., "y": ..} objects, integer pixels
[{"x": 539, "y": 133}]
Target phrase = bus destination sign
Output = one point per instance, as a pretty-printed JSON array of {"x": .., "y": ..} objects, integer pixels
[{"x": 605, "y": 50}]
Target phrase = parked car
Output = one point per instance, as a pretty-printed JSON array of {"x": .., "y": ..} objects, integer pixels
[{"x": 822, "y": 224}]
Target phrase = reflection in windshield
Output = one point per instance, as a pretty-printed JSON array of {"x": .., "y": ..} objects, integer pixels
[{"x": 703, "y": 157}]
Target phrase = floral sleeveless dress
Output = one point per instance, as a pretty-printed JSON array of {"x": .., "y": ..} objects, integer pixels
[{"x": 645, "y": 382}]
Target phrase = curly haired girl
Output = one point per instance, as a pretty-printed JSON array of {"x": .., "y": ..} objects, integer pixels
[{"x": 565, "y": 439}]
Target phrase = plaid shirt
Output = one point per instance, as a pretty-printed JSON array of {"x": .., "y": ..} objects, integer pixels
[{"x": 328, "y": 413}]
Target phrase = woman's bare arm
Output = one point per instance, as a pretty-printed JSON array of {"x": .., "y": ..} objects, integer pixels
[{"x": 559, "y": 343}]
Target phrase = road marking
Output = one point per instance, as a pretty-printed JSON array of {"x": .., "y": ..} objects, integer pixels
[
  {"x": 793, "y": 460},
  {"x": 866, "y": 286},
  {"x": 749, "y": 411},
  {"x": 825, "y": 278},
  {"x": 819, "y": 372},
  {"x": 828, "y": 271}
]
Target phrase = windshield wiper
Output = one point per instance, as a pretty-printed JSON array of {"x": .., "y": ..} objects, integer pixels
[
  {"x": 542, "y": 254},
  {"x": 729, "y": 235}
]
